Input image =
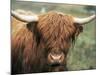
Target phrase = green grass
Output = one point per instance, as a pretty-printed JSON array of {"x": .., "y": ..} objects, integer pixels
[{"x": 83, "y": 55}]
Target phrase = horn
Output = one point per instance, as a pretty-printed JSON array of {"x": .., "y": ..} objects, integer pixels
[
  {"x": 25, "y": 18},
  {"x": 82, "y": 21}
]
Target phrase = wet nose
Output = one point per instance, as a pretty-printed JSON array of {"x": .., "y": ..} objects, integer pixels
[{"x": 57, "y": 58}]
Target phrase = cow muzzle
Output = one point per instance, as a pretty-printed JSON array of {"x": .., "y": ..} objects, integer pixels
[{"x": 55, "y": 59}]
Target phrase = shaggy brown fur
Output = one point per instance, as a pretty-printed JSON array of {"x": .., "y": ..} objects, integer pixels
[{"x": 32, "y": 42}]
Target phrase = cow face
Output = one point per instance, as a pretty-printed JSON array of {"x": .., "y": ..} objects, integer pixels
[
  {"x": 57, "y": 52},
  {"x": 57, "y": 32}
]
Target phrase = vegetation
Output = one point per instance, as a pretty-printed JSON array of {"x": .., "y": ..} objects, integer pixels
[{"x": 83, "y": 55}]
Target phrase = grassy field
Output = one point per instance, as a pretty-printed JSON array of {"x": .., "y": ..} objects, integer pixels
[{"x": 83, "y": 55}]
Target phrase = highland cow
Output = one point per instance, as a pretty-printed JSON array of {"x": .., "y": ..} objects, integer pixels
[{"x": 41, "y": 43}]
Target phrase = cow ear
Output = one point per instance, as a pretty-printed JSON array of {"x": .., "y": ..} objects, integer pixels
[
  {"x": 79, "y": 29},
  {"x": 32, "y": 26}
]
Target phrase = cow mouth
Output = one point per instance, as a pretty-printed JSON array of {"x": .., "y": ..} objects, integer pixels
[
  {"x": 55, "y": 64},
  {"x": 57, "y": 67}
]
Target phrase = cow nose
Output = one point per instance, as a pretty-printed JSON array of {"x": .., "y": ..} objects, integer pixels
[{"x": 56, "y": 58}]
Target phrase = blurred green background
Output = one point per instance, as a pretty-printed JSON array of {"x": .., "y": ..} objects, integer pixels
[{"x": 83, "y": 55}]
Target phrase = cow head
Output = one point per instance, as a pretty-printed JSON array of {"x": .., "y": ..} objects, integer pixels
[{"x": 58, "y": 31}]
